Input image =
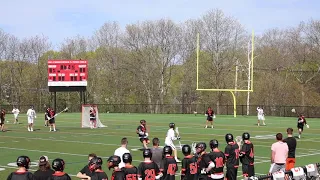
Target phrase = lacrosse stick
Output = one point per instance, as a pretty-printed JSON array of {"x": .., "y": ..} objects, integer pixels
[
  {"x": 193, "y": 146},
  {"x": 239, "y": 141},
  {"x": 59, "y": 113},
  {"x": 178, "y": 134}
]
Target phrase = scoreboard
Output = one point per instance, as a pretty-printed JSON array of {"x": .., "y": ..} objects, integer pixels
[{"x": 67, "y": 73}]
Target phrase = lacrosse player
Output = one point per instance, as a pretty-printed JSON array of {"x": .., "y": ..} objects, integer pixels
[
  {"x": 210, "y": 115},
  {"x": 31, "y": 113},
  {"x": 168, "y": 166},
  {"x": 170, "y": 138},
  {"x": 143, "y": 134},
  {"x": 52, "y": 120},
  {"x": 46, "y": 117},
  {"x": 148, "y": 170},
  {"x": 2, "y": 119},
  {"x": 247, "y": 156},
  {"x": 93, "y": 119},
  {"x": 113, "y": 162},
  {"x": 130, "y": 171},
  {"x": 217, "y": 160},
  {"x": 301, "y": 122},
  {"x": 15, "y": 112},
  {"x": 203, "y": 160},
  {"x": 189, "y": 167},
  {"x": 260, "y": 116},
  {"x": 232, "y": 155},
  {"x": 23, "y": 163}
]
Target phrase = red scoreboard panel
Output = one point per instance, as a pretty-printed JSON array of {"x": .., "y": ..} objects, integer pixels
[{"x": 67, "y": 73}]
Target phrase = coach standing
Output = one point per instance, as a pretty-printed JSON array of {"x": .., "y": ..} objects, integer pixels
[
  {"x": 292, "y": 144},
  {"x": 279, "y": 154}
]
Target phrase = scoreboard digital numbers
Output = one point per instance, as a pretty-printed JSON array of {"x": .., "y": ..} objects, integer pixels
[{"x": 64, "y": 74}]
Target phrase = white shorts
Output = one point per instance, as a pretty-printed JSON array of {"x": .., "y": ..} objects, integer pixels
[
  {"x": 170, "y": 144},
  {"x": 15, "y": 116},
  {"x": 260, "y": 117},
  {"x": 30, "y": 120}
]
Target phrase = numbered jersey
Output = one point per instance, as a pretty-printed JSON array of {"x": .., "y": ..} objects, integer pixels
[
  {"x": 232, "y": 154},
  {"x": 247, "y": 152},
  {"x": 203, "y": 161},
  {"x": 189, "y": 168},
  {"x": 168, "y": 167},
  {"x": 117, "y": 175},
  {"x": 99, "y": 175},
  {"x": 130, "y": 172},
  {"x": 218, "y": 158},
  {"x": 148, "y": 170}
]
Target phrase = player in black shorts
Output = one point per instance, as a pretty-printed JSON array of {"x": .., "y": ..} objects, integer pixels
[
  {"x": 58, "y": 165},
  {"x": 210, "y": 116},
  {"x": 203, "y": 160},
  {"x": 143, "y": 134},
  {"x": 168, "y": 166},
  {"x": 301, "y": 122},
  {"x": 23, "y": 163},
  {"x": 113, "y": 162},
  {"x": 93, "y": 120},
  {"x": 130, "y": 171},
  {"x": 232, "y": 157},
  {"x": 51, "y": 120},
  {"x": 46, "y": 117},
  {"x": 189, "y": 167},
  {"x": 247, "y": 156},
  {"x": 217, "y": 160},
  {"x": 148, "y": 170}
]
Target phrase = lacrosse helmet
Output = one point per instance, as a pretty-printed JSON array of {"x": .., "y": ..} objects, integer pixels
[
  {"x": 58, "y": 164},
  {"x": 113, "y": 161},
  {"x": 147, "y": 153},
  {"x": 127, "y": 158},
  {"x": 172, "y": 125},
  {"x": 200, "y": 147},
  {"x": 95, "y": 163},
  {"x": 246, "y": 136},
  {"x": 167, "y": 150},
  {"x": 229, "y": 137},
  {"x": 186, "y": 149},
  {"x": 214, "y": 143},
  {"x": 143, "y": 122},
  {"x": 23, "y": 161}
]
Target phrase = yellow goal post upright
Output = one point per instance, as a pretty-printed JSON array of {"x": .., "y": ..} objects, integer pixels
[{"x": 228, "y": 90}]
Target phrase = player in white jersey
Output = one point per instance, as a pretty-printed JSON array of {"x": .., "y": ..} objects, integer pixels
[
  {"x": 170, "y": 138},
  {"x": 15, "y": 112},
  {"x": 260, "y": 116},
  {"x": 31, "y": 113}
]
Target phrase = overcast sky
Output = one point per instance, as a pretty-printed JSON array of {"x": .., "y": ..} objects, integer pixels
[{"x": 59, "y": 19}]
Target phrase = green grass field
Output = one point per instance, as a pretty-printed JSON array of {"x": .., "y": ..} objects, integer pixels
[{"x": 73, "y": 143}]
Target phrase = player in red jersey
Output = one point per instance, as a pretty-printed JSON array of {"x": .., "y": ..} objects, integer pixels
[
  {"x": 23, "y": 163},
  {"x": 113, "y": 162},
  {"x": 301, "y": 122},
  {"x": 148, "y": 170},
  {"x": 130, "y": 171},
  {"x": 168, "y": 166},
  {"x": 210, "y": 115},
  {"x": 58, "y": 165},
  {"x": 217, "y": 160},
  {"x": 93, "y": 119},
  {"x": 143, "y": 133}
]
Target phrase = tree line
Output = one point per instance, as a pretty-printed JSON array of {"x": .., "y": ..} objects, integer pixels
[{"x": 154, "y": 63}]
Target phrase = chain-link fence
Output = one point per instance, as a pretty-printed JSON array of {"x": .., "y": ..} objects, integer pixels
[{"x": 283, "y": 111}]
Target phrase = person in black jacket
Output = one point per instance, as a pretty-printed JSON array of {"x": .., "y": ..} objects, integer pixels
[{"x": 44, "y": 171}]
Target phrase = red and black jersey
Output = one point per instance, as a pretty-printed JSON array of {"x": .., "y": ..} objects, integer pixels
[
  {"x": 21, "y": 176},
  {"x": 168, "y": 167},
  {"x": 60, "y": 176},
  {"x": 189, "y": 168},
  {"x": 99, "y": 174},
  {"x": 117, "y": 175},
  {"x": 3, "y": 114},
  {"x": 210, "y": 112},
  {"x": 141, "y": 131},
  {"x": 247, "y": 152},
  {"x": 148, "y": 170},
  {"x": 302, "y": 121},
  {"x": 232, "y": 155},
  {"x": 203, "y": 161},
  {"x": 218, "y": 158},
  {"x": 52, "y": 113},
  {"x": 130, "y": 172}
]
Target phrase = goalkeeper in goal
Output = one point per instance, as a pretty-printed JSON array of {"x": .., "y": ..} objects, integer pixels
[{"x": 93, "y": 118}]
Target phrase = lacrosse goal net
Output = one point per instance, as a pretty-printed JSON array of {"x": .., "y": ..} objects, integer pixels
[{"x": 85, "y": 116}]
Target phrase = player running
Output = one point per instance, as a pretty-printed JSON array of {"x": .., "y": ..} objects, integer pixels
[
  {"x": 210, "y": 115},
  {"x": 148, "y": 170},
  {"x": 2, "y": 119},
  {"x": 247, "y": 156},
  {"x": 168, "y": 165},
  {"x": 189, "y": 167},
  {"x": 15, "y": 112},
  {"x": 260, "y": 116},
  {"x": 217, "y": 160},
  {"x": 232, "y": 155},
  {"x": 143, "y": 134},
  {"x": 31, "y": 113},
  {"x": 93, "y": 119},
  {"x": 301, "y": 122},
  {"x": 170, "y": 138}
]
